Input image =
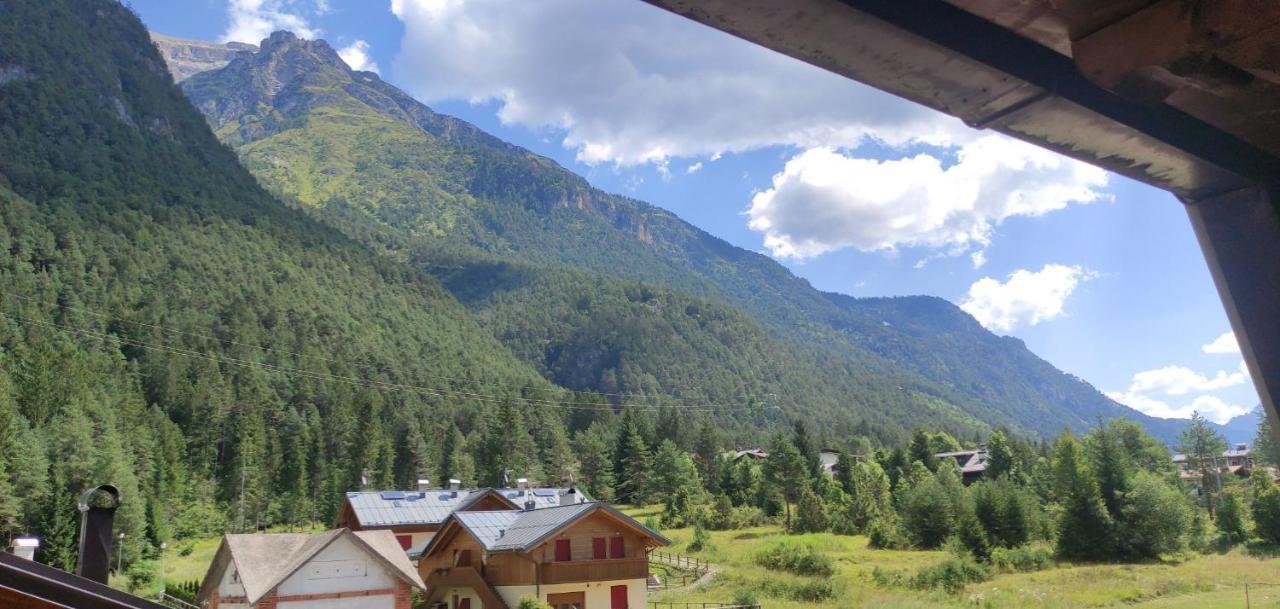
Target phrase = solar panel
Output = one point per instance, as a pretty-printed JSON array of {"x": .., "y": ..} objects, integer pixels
[
  {"x": 396, "y": 504},
  {"x": 390, "y": 495},
  {"x": 412, "y": 497},
  {"x": 544, "y": 492}
]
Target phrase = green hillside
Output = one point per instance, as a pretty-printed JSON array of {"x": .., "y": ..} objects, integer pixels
[
  {"x": 170, "y": 327},
  {"x": 422, "y": 187}
]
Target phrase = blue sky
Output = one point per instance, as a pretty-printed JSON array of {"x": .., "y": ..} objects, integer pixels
[{"x": 854, "y": 190}]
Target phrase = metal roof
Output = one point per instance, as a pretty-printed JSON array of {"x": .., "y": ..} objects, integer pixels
[
  {"x": 521, "y": 530},
  {"x": 399, "y": 508}
]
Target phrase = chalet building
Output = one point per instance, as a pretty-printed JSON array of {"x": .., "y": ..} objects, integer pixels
[
  {"x": 973, "y": 463},
  {"x": 748, "y": 453},
  {"x": 1237, "y": 460},
  {"x": 582, "y": 556},
  {"x": 337, "y": 569},
  {"x": 414, "y": 516}
]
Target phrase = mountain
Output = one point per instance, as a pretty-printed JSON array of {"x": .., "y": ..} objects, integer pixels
[
  {"x": 187, "y": 58},
  {"x": 1242, "y": 428},
  {"x": 168, "y": 326},
  {"x": 435, "y": 191}
]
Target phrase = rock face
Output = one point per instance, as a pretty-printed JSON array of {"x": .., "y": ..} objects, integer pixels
[{"x": 186, "y": 58}]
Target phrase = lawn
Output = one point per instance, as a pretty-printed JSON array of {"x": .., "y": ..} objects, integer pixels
[{"x": 1199, "y": 581}]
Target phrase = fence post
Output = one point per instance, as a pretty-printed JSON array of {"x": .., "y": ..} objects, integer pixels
[{"x": 1247, "y": 604}]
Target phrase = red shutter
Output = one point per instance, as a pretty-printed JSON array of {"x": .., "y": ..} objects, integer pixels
[
  {"x": 562, "y": 550},
  {"x": 465, "y": 604},
  {"x": 617, "y": 597},
  {"x": 464, "y": 558},
  {"x": 597, "y": 548},
  {"x": 406, "y": 541},
  {"x": 616, "y": 548}
]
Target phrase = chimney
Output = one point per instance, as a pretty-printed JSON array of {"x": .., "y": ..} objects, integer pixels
[
  {"x": 523, "y": 485},
  {"x": 25, "y": 547},
  {"x": 530, "y": 504},
  {"x": 98, "y": 511},
  {"x": 569, "y": 497},
  {"x": 454, "y": 485},
  {"x": 424, "y": 485},
  {"x": 364, "y": 479}
]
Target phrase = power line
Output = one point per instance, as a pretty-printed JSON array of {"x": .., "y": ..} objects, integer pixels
[
  {"x": 323, "y": 376},
  {"x": 228, "y": 342}
]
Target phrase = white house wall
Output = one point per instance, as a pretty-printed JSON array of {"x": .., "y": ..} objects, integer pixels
[
  {"x": 341, "y": 567},
  {"x": 385, "y": 601},
  {"x": 597, "y": 593}
]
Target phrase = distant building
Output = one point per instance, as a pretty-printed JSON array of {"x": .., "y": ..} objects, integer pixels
[
  {"x": 414, "y": 516},
  {"x": 827, "y": 460},
  {"x": 1237, "y": 460},
  {"x": 337, "y": 569},
  {"x": 587, "y": 555},
  {"x": 972, "y": 463},
  {"x": 748, "y": 453}
]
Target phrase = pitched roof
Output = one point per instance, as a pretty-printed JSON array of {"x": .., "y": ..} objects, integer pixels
[
  {"x": 264, "y": 560},
  {"x": 396, "y": 508},
  {"x": 522, "y": 530},
  {"x": 30, "y": 584}
]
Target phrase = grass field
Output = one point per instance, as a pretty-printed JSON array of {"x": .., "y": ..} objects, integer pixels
[{"x": 1214, "y": 581}]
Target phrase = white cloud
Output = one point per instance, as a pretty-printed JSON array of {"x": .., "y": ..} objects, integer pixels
[
  {"x": 694, "y": 168},
  {"x": 357, "y": 57},
  {"x": 629, "y": 83},
  {"x": 1026, "y": 299},
  {"x": 1150, "y": 389},
  {"x": 823, "y": 200},
  {"x": 253, "y": 20},
  {"x": 1225, "y": 344},
  {"x": 979, "y": 259},
  {"x": 1212, "y": 407}
]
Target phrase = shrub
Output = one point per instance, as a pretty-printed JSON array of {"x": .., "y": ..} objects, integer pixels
[
  {"x": 1022, "y": 559},
  {"x": 1158, "y": 516},
  {"x": 701, "y": 539},
  {"x": 811, "y": 514},
  {"x": 886, "y": 533},
  {"x": 952, "y": 575},
  {"x": 1266, "y": 507},
  {"x": 745, "y": 597},
  {"x": 529, "y": 602},
  {"x": 140, "y": 574},
  {"x": 1230, "y": 519},
  {"x": 806, "y": 591},
  {"x": 928, "y": 512},
  {"x": 793, "y": 557}
]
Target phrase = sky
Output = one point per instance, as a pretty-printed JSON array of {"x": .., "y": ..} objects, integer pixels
[{"x": 852, "y": 189}]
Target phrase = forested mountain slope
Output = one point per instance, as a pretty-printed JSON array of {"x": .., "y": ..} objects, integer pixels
[
  {"x": 169, "y": 327},
  {"x": 435, "y": 190}
]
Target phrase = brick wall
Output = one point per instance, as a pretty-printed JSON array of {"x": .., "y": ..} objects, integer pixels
[{"x": 404, "y": 596}]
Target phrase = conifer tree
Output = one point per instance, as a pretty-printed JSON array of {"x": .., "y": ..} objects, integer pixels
[
  {"x": 1084, "y": 526},
  {"x": 808, "y": 450},
  {"x": 593, "y": 448},
  {"x": 921, "y": 450},
  {"x": 673, "y": 471},
  {"x": 1202, "y": 446},
  {"x": 1265, "y": 446},
  {"x": 634, "y": 484},
  {"x": 811, "y": 512},
  {"x": 1000, "y": 459},
  {"x": 785, "y": 471},
  {"x": 1266, "y": 508},
  {"x": 843, "y": 472},
  {"x": 707, "y": 448}
]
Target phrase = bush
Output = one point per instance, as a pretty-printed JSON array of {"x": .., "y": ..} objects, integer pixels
[
  {"x": 886, "y": 533},
  {"x": 723, "y": 516},
  {"x": 140, "y": 574},
  {"x": 529, "y": 602},
  {"x": 1158, "y": 515},
  {"x": 793, "y": 557},
  {"x": 701, "y": 540},
  {"x": 1022, "y": 559},
  {"x": 811, "y": 514},
  {"x": 951, "y": 575},
  {"x": 1230, "y": 519},
  {"x": 1266, "y": 507},
  {"x": 807, "y": 591},
  {"x": 745, "y": 597}
]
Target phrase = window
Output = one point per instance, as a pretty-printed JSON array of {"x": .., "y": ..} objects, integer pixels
[
  {"x": 563, "y": 552},
  {"x": 617, "y": 597},
  {"x": 597, "y": 548},
  {"x": 567, "y": 600},
  {"x": 406, "y": 541},
  {"x": 465, "y": 604},
  {"x": 463, "y": 559},
  {"x": 617, "y": 548}
]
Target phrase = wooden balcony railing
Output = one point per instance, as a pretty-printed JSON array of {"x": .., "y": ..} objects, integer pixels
[{"x": 594, "y": 570}]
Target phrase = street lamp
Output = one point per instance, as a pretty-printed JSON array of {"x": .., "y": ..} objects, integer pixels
[
  {"x": 120, "y": 554},
  {"x": 163, "y": 545}
]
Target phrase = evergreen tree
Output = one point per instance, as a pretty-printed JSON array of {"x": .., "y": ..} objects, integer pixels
[
  {"x": 928, "y": 510},
  {"x": 1266, "y": 508},
  {"x": 871, "y": 497},
  {"x": 1084, "y": 525},
  {"x": 637, "y": 471},
  {"x": 1000, "y": 459},
  {"x": 1004, "y": 510},
  {"x": 921, "y": 450},
  {"x": 843, "y": 472},
  {"x": 808, "y": 450},
  {"x": 1202, "y": 446},
  {"x": 673, "y": 470},
  {"x": 1230, "y": 518},
  {"x": 811, "y": 513},
  {"x": 555, "y": 453},
  {"x": 1265, "y": 446},
  {"x": 1156, "y": 517},
  {"x": 593, "y": 447},
  {"x": 969, "y": 531},
  {"x": 786, "y": 471},
  {"x": 708, "y": 450},
  {"x": 1110, "y": 465}
]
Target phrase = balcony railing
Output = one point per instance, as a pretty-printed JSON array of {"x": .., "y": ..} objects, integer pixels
[{"x": 594, "y": 570}]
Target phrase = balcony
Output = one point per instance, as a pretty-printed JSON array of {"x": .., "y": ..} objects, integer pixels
[{"x": 604, "y": 569}]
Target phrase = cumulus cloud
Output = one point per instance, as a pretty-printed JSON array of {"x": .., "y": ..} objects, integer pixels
[
  {"x": 253, "y": 20},
  {"x": 357, "y": 57},
  {"x": 1225, "y": 344},
  {"x": 979, "y": 259},
  {"x": 629, "y": 83},
  {"x": 694, "y": 168},
  {"x": 1212, "y": 407},
  {"x": 1149, "y": 390},
  {"x": 824, "y": 200},
  {"x": 1025, "y": 299}
]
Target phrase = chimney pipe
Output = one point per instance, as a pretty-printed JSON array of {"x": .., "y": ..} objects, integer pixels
[
  {"x": 25, "y": 547},
  {"x": 523, "y": 485},
  {"x": 424, "y": 485},
  {"x": 529, "y": 504},
  {"x": 454, "y": 485},
  {"x": 98, "y": 511}
]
